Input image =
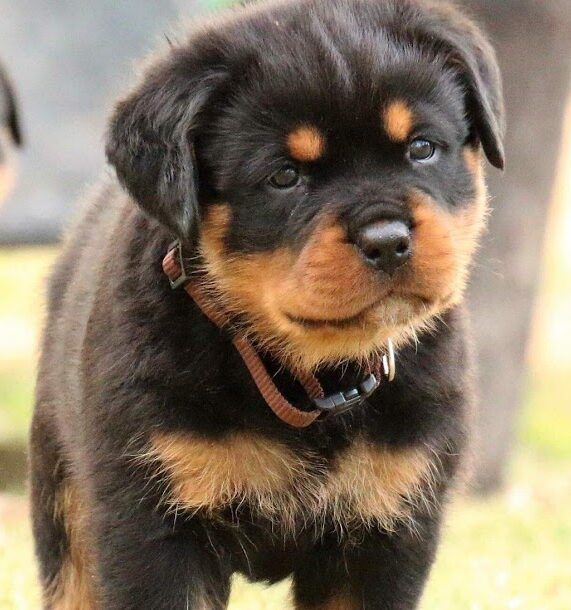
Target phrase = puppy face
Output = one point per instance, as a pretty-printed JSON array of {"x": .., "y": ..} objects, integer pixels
[{"x": 337, "y": 148}]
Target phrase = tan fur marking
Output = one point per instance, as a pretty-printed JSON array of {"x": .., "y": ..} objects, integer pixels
[
  {"x": 306, "y": 144},
  {"x": 367, "y": 485},
  {"x": 398, "y": 121},
  {"x": 374, "y": 484},
  {"x": 208, "y": 474},
  {"x": 445, "y": 242},
  {"x": 473, "y": 159},
  {"x": 73, "y": 587},
  {"x": 269, "y": 289},
  {"x": 267, "y": 286}
]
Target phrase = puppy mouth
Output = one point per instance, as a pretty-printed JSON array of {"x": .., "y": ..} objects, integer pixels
[
  {"x": 335, "y": 323},
  {"x": 340, "y": 324},
  {"x": 360, "y": 318}
]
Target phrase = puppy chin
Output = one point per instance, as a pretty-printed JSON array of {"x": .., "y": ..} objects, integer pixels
[
  {"x": 399, "y": 312},
  {"x": 308, "y": 348},
  {"x": 307, "y": 343}
]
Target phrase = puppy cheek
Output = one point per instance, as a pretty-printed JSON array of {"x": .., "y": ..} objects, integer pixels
[
  {"x": 213, "y": 231},
  {"x": 246, "y": 282},
  {"x": 322, "y": 281},
  {"x": 444, "y": 246},
  {"x": 328, "y": 280},
  {"x": 433, "y": 264},
  {"x": 471, "y": 222}
]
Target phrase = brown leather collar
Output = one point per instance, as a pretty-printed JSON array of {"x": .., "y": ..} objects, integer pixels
[{"x": 173, "y": 266}]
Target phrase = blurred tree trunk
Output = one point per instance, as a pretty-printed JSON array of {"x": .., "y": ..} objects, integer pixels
[{"x": 533, "y": 41}]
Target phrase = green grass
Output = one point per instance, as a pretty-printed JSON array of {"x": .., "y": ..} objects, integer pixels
[
  {"x": 21, "y": 315},
  {"x": 510, "y": 552},
  {"x": 17, "y": 390},
  {"x": 546, "y": 425}
]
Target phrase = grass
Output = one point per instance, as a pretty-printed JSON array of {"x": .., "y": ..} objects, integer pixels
[{"x": 509, "y": 552}]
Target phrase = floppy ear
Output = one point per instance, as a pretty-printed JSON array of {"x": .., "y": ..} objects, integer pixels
[
  {"x": 10, "y": 111},
  {"x": 151, "y": 138},
  {"x": 473, "y": 57},
  {"x": 485, "y": 96}
]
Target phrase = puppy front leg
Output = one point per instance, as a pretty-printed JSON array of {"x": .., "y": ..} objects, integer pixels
[
  {"x": 385, "y": 571},
  {"x": 143, "y": 568}
]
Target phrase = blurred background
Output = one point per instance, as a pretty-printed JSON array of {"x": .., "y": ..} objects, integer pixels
[{"x": 508, "y": 540}]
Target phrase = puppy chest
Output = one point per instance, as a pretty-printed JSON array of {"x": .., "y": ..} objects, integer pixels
[{"x": 365, "y": 484}]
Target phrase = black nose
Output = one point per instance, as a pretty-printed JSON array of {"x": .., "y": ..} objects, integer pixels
[{"x": 385, "y": 245}]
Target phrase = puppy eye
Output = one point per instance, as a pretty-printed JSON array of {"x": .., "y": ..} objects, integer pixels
[
  {"x": 421, "y": 149},
  {"x": 285, "y": 178}
]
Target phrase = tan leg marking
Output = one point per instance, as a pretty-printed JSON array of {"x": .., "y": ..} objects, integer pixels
[
  {"x": 306, "y": 144},
  {"x": 73, "y": 587},
  {"x": 398, "y": 121}
]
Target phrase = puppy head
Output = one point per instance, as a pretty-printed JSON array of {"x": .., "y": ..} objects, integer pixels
[
  {"x": 324, "y": 156},
  {"x": 10, "y": 135}
]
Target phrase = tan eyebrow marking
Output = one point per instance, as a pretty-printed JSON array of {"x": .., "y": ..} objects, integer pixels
[
  {"x": 398, "y": 121},
  {"x": 306, "y": 143}
]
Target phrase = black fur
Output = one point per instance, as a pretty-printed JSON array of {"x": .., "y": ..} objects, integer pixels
[{"x": 125, "y": 357}]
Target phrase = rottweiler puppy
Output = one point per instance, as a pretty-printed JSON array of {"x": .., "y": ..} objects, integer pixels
[
  {"x": 10, "y": 134},
  {"x": 229, "y": 403}
]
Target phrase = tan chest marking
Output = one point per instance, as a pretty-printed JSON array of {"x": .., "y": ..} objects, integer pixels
[
  {"x": 209, "y": 475},
  {"x": 365, "y": 485},
  {"x": 373, "y": 484}
]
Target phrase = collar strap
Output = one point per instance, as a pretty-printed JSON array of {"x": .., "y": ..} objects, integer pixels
[{"x": 173, "y": 266}]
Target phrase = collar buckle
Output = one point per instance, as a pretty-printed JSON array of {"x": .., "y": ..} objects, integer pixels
[
  {"x": 174, "y": 266},
  {"x": 341, "y": 402}
]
